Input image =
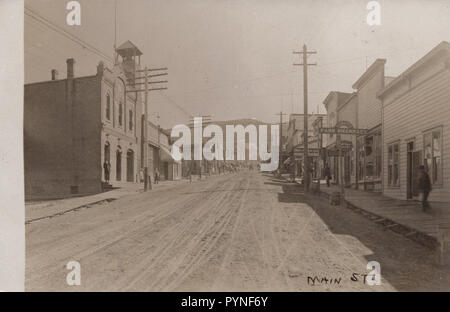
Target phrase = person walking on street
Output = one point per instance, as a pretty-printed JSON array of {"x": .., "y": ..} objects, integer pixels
[
  {"x": 424, "y": 185},
  {"x": 327, "y": 174}
]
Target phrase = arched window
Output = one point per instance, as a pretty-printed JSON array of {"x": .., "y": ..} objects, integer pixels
[
  {"x": 130, "y": 119},
  {"x": 108, "y": 107},
  {"x": 119, "y": 99},
  {"x": 120, "y": 114}
]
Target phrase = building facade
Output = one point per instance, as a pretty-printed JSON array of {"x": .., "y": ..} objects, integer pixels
[
  {"x": 416, "y": 123},
  {"x": 294, "y": 144},
  {"x": 347, "y": 113},
  {"x": 369, "y": 146},
  {"x": 358, "y": 163},
  {"x": 332, "y": 102},
  {"x": 159, "y": 155},
  {"x": 74, "y": 126}
]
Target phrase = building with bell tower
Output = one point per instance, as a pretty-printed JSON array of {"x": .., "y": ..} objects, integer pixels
[{"x": 82, "y": 135}]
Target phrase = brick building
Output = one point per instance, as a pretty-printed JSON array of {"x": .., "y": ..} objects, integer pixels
[{"x": 73, "y": 126}]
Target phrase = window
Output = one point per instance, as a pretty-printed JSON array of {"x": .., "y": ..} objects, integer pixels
[
  {"x": 119, "y": 99},
  {"x": 108, "y": 107},
  {"x": 120, "y": 114},
  {"x": 130, "y": 119},
  {"x": 432, "y": 146},
  {"x": 393, "y": 164}
]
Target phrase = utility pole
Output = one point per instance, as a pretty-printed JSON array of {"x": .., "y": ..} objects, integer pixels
[
  {"x": 159, "y": 146},
  {"x": 281, "y": 137},
  {"x": 306, "y": 175},
  {"x": 146, "y": 186},
  {"x": 132, "y": 87},
  {"x": 206, "y": 118}
]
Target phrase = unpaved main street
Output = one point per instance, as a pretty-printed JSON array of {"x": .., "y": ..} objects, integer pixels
[{"x": 237, "y": 232}]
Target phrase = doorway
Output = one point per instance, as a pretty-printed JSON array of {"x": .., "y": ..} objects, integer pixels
[
  {"x": 107, "y": 152},
  {"x": 130, "y": 166},
  {"x": 413, "y": 161},
  {"x": 118, "y": 165}
]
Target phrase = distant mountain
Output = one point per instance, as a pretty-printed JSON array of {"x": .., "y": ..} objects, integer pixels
[{"x": 243, "y": 121}]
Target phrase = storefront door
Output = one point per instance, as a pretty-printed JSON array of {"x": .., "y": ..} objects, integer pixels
[
  {"x": 130, "y": 166},
  {"x": 413, "y": 161}
]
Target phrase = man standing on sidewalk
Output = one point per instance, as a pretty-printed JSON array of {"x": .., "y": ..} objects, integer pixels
[
  {"x": 424, "y": 184},
  {"x": 107, "y": 169}
]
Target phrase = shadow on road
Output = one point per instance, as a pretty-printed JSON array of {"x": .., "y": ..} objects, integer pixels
[
  {"x": 405, "y": 264},
  {"x": 292, "y": 193}
]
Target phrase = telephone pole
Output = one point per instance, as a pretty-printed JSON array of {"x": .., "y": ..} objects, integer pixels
[
  {"x": 159, "y": 146},
  {"x": 281, "y": 137},
  {"x": 146, "y": 179},
  {"x": 135, "y": 85},
  {"x": 306, "y": 175},
  {"x": 204, "y": 118}
]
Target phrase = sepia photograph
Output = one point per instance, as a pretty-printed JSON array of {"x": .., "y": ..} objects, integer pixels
[{"x": 235, "y": 146}]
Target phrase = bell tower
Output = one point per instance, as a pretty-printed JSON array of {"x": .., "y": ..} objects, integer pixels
[{"x": 131, "y": 60}]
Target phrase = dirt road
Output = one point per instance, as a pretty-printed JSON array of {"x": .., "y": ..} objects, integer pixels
[{"x": 238, "y": 232}]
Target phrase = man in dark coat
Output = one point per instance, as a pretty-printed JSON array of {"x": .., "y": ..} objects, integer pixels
[
  {"x": 424, "y": 184},
  {"x": 107, "y": 169}
]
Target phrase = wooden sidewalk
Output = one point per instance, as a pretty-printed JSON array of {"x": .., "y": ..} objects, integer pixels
[{"x": 404, "y": 216}]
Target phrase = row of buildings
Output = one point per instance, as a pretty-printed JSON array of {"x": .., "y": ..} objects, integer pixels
[
  {"x": 76, "y": 127},
  {"x": 84, "y": 135},
  {"x": 218, "y": 166},
  {"x": 399, "y": 123}
]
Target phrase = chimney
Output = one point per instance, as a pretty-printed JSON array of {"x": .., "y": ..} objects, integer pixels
[
  {"x": 54, "y": 74},
  {"x": 70, "y": 69},
  {"x": 100, "y": 68}
]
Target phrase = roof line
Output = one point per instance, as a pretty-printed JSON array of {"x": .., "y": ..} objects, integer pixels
[
  {"x": 369, "y": 71},
  {"x": 443, "y": 46}
]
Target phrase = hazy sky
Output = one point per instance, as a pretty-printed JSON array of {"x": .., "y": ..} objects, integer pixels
[{"x": 233, "y": 59}]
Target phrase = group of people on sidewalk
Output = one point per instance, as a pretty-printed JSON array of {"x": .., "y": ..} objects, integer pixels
[
  {"x": 423, "y": 184},
  {"x": 107, "y": 170}
]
